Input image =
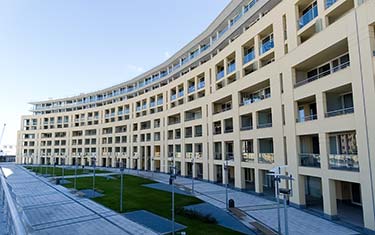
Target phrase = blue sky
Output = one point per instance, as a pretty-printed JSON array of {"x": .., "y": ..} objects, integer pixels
[{"x": 59, "y": 48}]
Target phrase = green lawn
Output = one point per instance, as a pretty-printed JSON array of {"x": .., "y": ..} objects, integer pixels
[
  {"x": 58, "y": 170},
  {"x": 137, "y": 197}
]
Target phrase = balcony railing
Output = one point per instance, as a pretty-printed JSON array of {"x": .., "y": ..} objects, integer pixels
[
  {"x": 264, "y": 125},
  {"x": 229, "y": 156},
  {"x": 193, "y": 117},
  {"x": 307, "y": 118},
  {"x": 248, "y": 101},
  {"x": 180, "y": 93},
  {"x": 308, "y": 16},
  {"x": 329, "y": 3},
  {"x": 339, "y": 112},
  {"x": 223, "y": 110},
  {"x": 201, "y": 85},
  {"x": 218, "y": 156},
  {"x": 152, "y": 104},
  {"x": 228, "y": 130},
  {"x": 248, "y": 57},
  {"x": 246, "y": 128},
  {"x": 173, "y": 97},
  {"x": 159, "y": 102},
  {"x": 348, "y": 162},
  {"x": 191, "y": 89},
  {"x": 231, "y": 68},
  {"x": 266, "y": 46},
  {"x": 267, "y": 158},
  {"x": 322, "y": 74},
  {"x": 220, "y": 75},
  {"x": 310, "y": 159},
  {"x": 12, "y": 218},
  {"x": 248, "y": 157}
]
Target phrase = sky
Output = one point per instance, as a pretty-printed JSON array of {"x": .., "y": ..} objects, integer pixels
[{"x": 61, "y": 48}]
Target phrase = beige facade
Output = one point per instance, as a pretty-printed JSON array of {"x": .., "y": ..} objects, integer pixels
[{"x": 269, "y": 83}]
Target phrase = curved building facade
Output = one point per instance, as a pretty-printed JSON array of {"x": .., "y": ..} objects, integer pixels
[{"x": 268, "y": 83}]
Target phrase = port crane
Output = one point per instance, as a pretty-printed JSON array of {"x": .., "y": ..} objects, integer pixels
[{"x": 1, "y": 138}]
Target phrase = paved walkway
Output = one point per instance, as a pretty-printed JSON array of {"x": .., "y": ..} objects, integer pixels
[
  {"x": 2, "y": 222},
  {"x": 258, "y": 208},
  {"x": 51, "y": 209}
]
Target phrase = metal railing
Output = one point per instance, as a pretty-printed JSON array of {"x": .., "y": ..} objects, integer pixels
[
  {"x": 322, "y": 74},
  {"x": 307, "y": 118},
  {"x": 246, "y": 128},
  {"x": 223, "y": 110},
  {"x": 310, "y": 159},
  {"x": 339, "y": 112},
  {"x": 14, "y": 225},
  {"x": 264, "y": 125},
  {"x": 247, "y": 101},
  {"x": 344, "y": 162}
]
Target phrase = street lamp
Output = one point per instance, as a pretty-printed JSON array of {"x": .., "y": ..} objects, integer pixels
[
  {"x": 226, "y": 183},
  {"x": 63, "y": 168},
  {"x": 93, "y": 177},
  {"x": 192, "y": 174},
  {"x": 122, "y": 184},
  {"x": 286, "y": 192},
  {"x": 171, "y": 180},
  {"x": 75, "y": 171}
]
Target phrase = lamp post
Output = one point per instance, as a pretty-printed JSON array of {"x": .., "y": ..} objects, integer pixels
[
  {"x": 93, "y": 177},
  {"x": 63, "y": 168},
  {"x": 171, "y": 179},
  {"x": 287, "y": 192},
  {"x": 75, "y": 171},
  {"x": 192, "y": 174},
  {"x": 122, "y": 185},
  {"x": 226, "y": 183}
]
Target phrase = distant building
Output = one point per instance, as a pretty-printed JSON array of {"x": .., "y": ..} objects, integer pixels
[{"x": 7, "y": 153}]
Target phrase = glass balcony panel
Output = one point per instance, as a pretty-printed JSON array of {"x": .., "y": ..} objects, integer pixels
[
  {"x": 266, "y": 46},
  {"x": 220, "y": 75},
  {"x": 348, "y": 162},
  {"x": 267, "y": 158},
  {"x": 308, "y": 16},
  {"x": 231, "y": 68},
  {"x": 310, "y": 159},
  {"x": 248, "y": 57},
  {"x": 248, "y": 157},
  {"x": 329, "y": 3}
]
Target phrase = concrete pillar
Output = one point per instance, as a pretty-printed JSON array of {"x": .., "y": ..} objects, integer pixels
[
  {"x": 258, "y": 180},
  {"x": 329, "y": 197}
]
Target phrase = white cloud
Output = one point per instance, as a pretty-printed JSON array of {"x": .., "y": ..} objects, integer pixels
[
  {"x": 134, "y": 68},
  {"x": 167, "y": 55}
]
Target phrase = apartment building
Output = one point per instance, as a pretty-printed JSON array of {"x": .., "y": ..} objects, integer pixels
[{"x": 268, "y": 83}]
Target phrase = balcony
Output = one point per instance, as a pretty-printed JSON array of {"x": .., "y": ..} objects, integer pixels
[
  {"x": 231, "y": 67},
  {"x": 266, "y": 158},
  {"x": 201, "y": 85},
  {"x": 246, "y": 122},
  {"x": 191, "y": 89},
  {"x": 180, "y": 93},
  {"x": 248, "y": 157},
  {"x": 249, "y": 57},
  {"x": 321, "y": 71},
  {"x": 159, "y": 102},
  {"x": 218, "y": 156},
  {"x": 152, "y": 104},
  {"x": 308, "y": 16},
  {"x": 339, "y": 101},
  {"x": 220, "y": 75},
  {"x": 307, "y": 110},
  {"x": 266, "y": 46},
  {"x": 347, "y": 162},
  {"x": 253, "y": 98},
  {"x": 174, "y": 96},
  {"x": 310, "y": 160},
  {"x": 264, "y": 119}
]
